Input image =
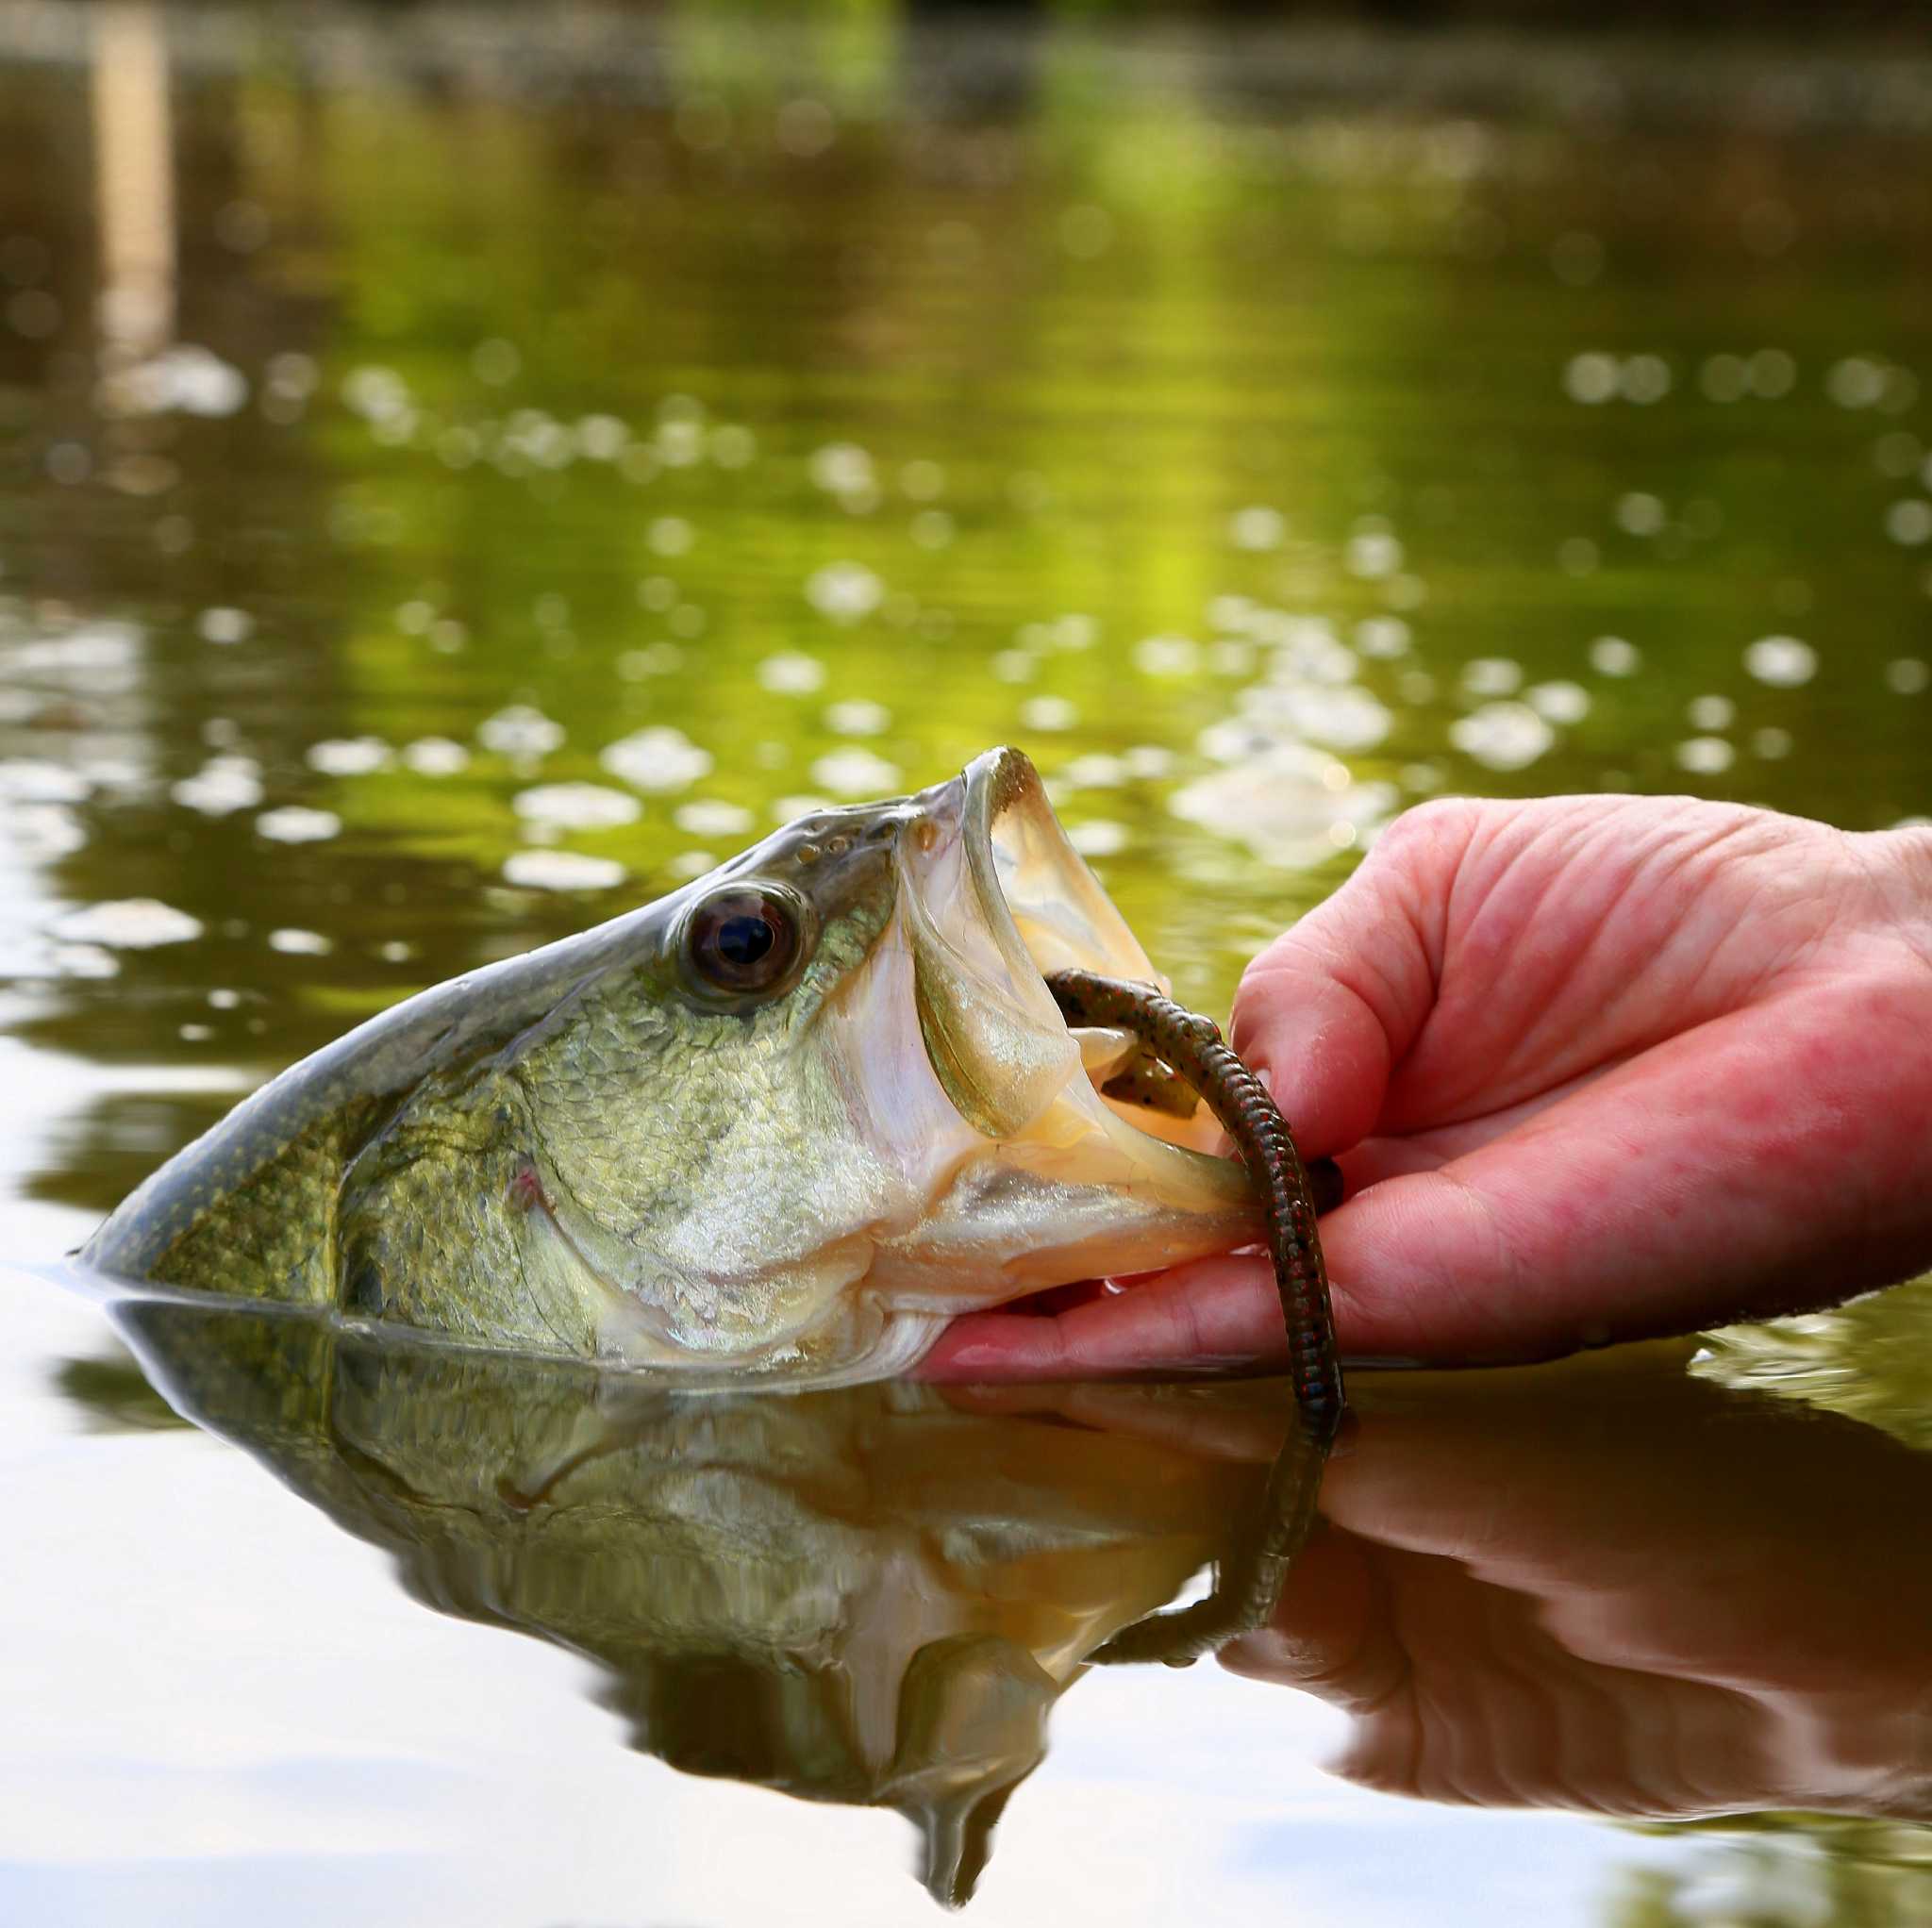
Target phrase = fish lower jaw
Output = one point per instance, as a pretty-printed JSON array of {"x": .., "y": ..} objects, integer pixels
[
  {"x": 1006, "y": 1233},
  {"x": 863, "y": 1339}
]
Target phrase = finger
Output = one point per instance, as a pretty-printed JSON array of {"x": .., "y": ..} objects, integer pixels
[
  {"x": 1329, "y": 1008},
  {"x": 1331, "y": 1634},
  {"x": 1600, "y": 1509},
  {"x": 1220, "y": 1314},
  {"x": 1222, "y": 1428},
  {"x": 1491, "y": 1711},
  {"x": 1217, "y": 1314}
]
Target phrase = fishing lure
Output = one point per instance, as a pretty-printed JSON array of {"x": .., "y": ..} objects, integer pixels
[{"x": 1191, "y": 1046}]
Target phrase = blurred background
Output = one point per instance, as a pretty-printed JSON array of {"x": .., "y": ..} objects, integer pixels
[{"x": 463, "y": 472}]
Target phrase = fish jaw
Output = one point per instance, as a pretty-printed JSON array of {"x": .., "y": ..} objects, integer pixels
[
  {"x": 966, "y": 1074},
  {"x": 976, "y": 1161}
]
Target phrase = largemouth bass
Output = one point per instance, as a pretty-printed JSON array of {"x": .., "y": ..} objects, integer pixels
[{"x": 791, "y": 1119}]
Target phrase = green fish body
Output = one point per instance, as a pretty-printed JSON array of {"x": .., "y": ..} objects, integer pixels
[{"x": 789, "y": 1119}]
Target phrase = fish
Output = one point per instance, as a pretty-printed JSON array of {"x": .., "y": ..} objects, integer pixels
[{"x": 787, "y": 1121}]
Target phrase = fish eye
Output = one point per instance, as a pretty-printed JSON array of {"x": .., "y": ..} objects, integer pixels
[{"x": 744, "y": 940}]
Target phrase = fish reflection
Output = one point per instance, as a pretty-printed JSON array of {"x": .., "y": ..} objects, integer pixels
[{"x": 867, "y": 1596}]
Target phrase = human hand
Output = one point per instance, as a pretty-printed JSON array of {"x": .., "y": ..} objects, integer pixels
[{"x": 1595, "y": 1068}]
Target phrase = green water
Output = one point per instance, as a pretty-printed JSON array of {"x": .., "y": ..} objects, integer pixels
[{"x": 1264, "y": 433}]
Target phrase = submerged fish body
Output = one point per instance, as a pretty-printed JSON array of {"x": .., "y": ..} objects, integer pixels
[{"x": 789, "y": 1118}]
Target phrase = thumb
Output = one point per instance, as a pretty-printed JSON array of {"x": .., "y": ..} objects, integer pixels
[{"x": 1331, "y": 1008}]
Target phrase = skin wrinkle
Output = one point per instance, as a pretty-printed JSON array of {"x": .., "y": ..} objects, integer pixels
[
  {"x": 1464, "y": 1711},
  {"x": 1520, "y": 1653},
  {"x": 1708, "y": 954},
  {"x": 1916, "y": 918},
  {"x": 1452, "y": 827},
  {"x": 1367, "y": 1676},
  {"x": 1911, "y": 918},
  {"x": 1585, "y": 1712},
  {"x": 1629, "y": 1764},
  {"x": 1395, "y": 1011},
  {"x": 1461, "y": 938},
  {"x": 1503, "y": 1267},
  {"x": 1608, "y": 925}
]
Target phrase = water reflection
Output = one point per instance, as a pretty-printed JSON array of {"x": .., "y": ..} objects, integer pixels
[
  {"x": 870, "y": 1596},
  {"x": 133, "y": 171},
  {"x": 1643, "y": 1596},
  {"x": 1575, "y": 1587}
]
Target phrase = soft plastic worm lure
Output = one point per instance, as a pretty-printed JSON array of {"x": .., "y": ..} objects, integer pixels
[{"x": 1192, "y": 1046}]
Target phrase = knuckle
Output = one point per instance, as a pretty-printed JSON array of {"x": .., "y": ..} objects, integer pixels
[{"x": 1428, "y": 830}]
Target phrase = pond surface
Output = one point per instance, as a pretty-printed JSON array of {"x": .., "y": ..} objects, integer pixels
[{"x": 461, "y": 476}]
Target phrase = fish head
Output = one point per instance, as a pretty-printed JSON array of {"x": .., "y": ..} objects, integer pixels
[{"x": 802, "y": 1113}]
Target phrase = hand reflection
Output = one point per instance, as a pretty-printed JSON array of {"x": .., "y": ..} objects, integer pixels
[
  {"x": 1604, "y": 1587},
  {"x": 1663, "y": 1601}
]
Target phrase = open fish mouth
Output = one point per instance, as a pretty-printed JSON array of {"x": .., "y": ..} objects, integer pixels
[
  {"x": 1062, "y": 1160},
  {"x": 998, "y": 1152}
]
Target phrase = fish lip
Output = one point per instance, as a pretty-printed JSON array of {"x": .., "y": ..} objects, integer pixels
[
  {"x": 997, "y": 784},
  {"x": 1001, "y": 786}
]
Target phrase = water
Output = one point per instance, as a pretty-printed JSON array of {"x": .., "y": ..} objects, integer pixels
[{"x": 458, "y": 475}]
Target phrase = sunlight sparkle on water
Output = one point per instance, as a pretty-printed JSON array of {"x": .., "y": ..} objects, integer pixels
[
  {"x": 562, "y": 870},
  {"x": 1051, "y": 714},
  {"x": 128, "y": 923},
  {"x": 1705, "y": 755},
  {"x": 1492, "y": 676},
  {"x": 222, "y": 784},
  {"x": 858, "y": 717},
  {"x": 297, "y": 823},
  {"x": 294, "y": 942},
  {"x": 1908, "y": 522},
  {"x": 435, "y": 757},
  {"x": 577, "y": 806},
  {"x": 790, "y": 673},
  {"x": 856, "y": 773},
  {"x": 844, "y": 591},
  {"x": 1559, "y": 702},
  {"x": 521, "y": 730},
  {"x": 1782, "y": 661},
  {"x": 225, "y": 625},
  {"x": 1099, "y": 837},
  {"x": 713, "y": 816},
  {"x": 1502, "y": 736},
  {"x": 350, "y": 756},
  {"x": 1290, "y": 805},
  {"x": 658, "y": 760}
]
